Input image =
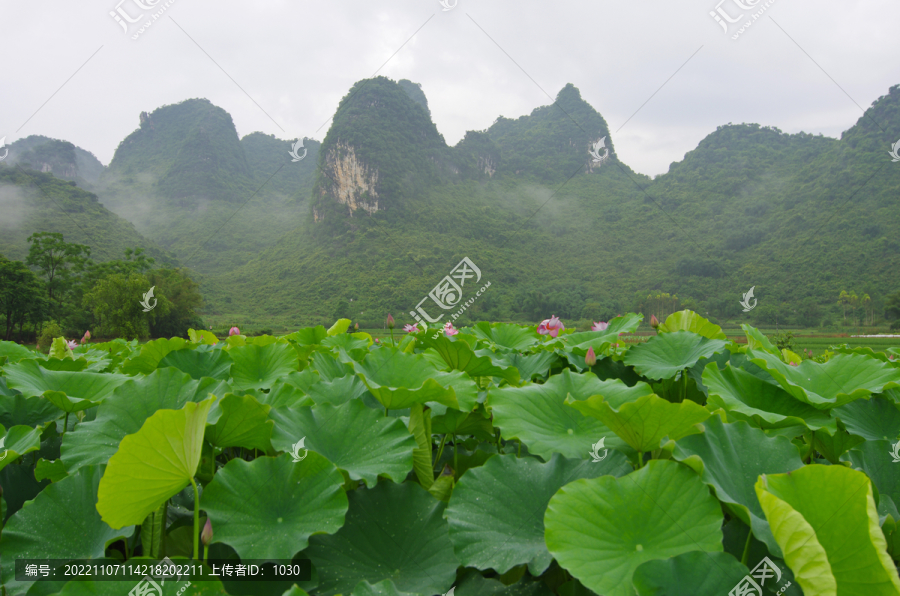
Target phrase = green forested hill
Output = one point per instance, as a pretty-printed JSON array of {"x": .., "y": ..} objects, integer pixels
[
  {"x": 800, "y": 217},
  {"x": 35, "y": 202},
  {"x": 60, "y": 158}
]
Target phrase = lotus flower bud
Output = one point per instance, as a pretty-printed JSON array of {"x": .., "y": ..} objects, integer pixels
[
  {"x": 87, "y": 336},
  {"x": 654, "y": 322},
  {"x": 390, "y": 321},
  {"x": 356, "y": 326},
  {"x": 234, "y": 331},
  {"x": 590, "y": 358},
  {"x": 207, "y": 533}
]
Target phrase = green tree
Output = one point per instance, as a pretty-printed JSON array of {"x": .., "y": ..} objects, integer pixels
[
  {"x": 115, "y": 301},
  {"x": 21, "y": 294},
  {"x": 182, "y": 297},
  {"x": 58, "y": 261},
  {"x": 866, "y": 301},
  {"x": 892, "y": 306},
  {"x": 844, "y": 300},
  {"x": 854, "y": 302}
]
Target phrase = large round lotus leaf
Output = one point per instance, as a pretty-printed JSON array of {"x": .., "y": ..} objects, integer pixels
[
  {"x": 642, "y": 424},
  {"x": 825, "y": 521},
  {"x": 16, "y": 409},
  {"x": 538, "y": 416},
  {"x": 202, "y": 361},
  {"x": 383, "y": 588},
  {"x": 582, "y": 386},
  {"x": 663, "y": 356},
  {"x": 393, "y": 531},
  {"x": 28, "y": 377},
  {"x": 171, "y": 587},
  {"x": 688, "y": 320},
  {"x": 302, "y": 380},
  {"x": 152, "y": 464},
  {"x": 355, "y": 438},
  {"x": 337, "y": 391},
  {"x": 62, "y": 401},
  {"x": 399, "y": 380},
  {"x": 244, "y": 422},
  {"x": 600, "y": 340},
  {"x": 507, "y": 336},
  {"x": 756, "y": 340},
  {"x": 730, "y": 458},
  {"x": 691, "y": 574},
  {"x": 329, "y": 367},
  {"x": 496, "y": 512},
  {"x": 151, "y": 353},
  {"x": 747, "y": 397},
  {"x": 528, "y": 365},
  {"x": 18, "y": 441},
  {"x": 126, "y": 410},
  {"x": 258, "y": 367},
  {"x": 844, "y": 378},
  {"x": 602, "y": 529},
  {"x": 875, "y": 460},
  {"x": 60, "y": 523},
  {"x": 472, "y": 583},
  {"x": 874, "y": 419},
  {"x": 268, "y": 508},
  {"x": 459, "y": 356},
  {"x": 14, "y": 352}
]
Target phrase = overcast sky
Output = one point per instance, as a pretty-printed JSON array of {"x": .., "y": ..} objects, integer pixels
[{"x": 664, "y": 75}]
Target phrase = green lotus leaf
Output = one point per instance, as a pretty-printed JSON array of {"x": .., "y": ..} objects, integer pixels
[
  {"x": 825, "y": 521},
  {"x": 496, "y": 511},
  {"x": 874, "y": 420},
  {"x": 29, "y": 378},
  {"x": 126, "y": 410},
  {"x": 308, "y": 335},
  {"x": 875, "y": 459},
  {"x": 537, "y": 415},
  {"x": 295, "y": 591},
  {"x": 329, "y": 367},
  {"x": 171, "y": 586},
  {"x": 459, "y": 356},
  {"x": 53, "y": 470},
  {"x": 60, "y": 523},
  {"x": 16, "y": 409},
  {"x": 340, "y": 326},
  {"x": 476, "y": 423},
  {"x": 62, "y": 401},
  {"x": 398, "y": 380},
  {"x": 721, "y": 455},
  {"x": 420, "y": 429},
  {"x": 663, "y": 356},
  {"x": 202, "y": 337},
  {"x": 353, "y": 347},
  {"x": 643, "y": 423},
  {"x": 283, "y": 395},
  {"x": 355, "y": 438},
  {"x": 528, "y": 365},
  {"x": 833, "y": 443},
  {"x": 688, "y": 320},
  {"x": 18, "y": 441},
  {"x": 600, "y": 340},
  {"x": 507, "y": 336},
  {"x": 259, "y": 367},
  {"x": 843, "y": 379},
  {"x": 268, "y": 508},
  {"x": 690, "y": 574},
  {"x": 152, "y": 464},
  {"x": 15, "y": 352},
  {"x": 338, "y": 391},
  {"x": 383, "y": 588},
  {"x": 757, "y": 341},
  {"x": 602, "y": 529},
  {"x": 244, "y": 422},
  {"x": 867, "y": 351},
  {"x": 747, "y": 397},
  {"x": 393, "y": 531},
  {"x": 151, "y": 353},
  {"x": 302, "y": 380},
  {"x": 472, "y": 583},
  {"x": 202, "y": 361},
  {"x": 54, "y": 363},
  {"x": 582, "y": 386}
]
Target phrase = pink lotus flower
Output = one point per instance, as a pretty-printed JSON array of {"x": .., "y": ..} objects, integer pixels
[
  {"x": 793, "y": 364},
  {"x": 449, "y": 330},
  {"x": 601, "y": 326},
  {"x": 552, "y": 326},
  {"x": 377, "y": 341},
  {"x": 590, "y": 358},
  {"x": 654, "y": 322},
  {"x": 72, "y": 344},
  {"x": 234, "y": 331},
  {"x": 87, "y": 336},
  {"x": 390, "y": 321},
  {"x": 411, "y": 328}
]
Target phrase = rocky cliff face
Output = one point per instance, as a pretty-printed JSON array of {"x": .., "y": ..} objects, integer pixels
[{"x": 353, "y": 182}]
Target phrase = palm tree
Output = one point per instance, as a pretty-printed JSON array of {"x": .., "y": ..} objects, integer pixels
[
  {"x": 866, "y": 301},
  {"x": 843, "y": 300},
  {"x": 854, "y": 300}
]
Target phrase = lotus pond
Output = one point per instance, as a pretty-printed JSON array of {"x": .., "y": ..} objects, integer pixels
[{"x": 496, "y": 460}]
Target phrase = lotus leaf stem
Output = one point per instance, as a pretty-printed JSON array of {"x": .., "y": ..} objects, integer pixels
[
  {"x": 746, "y": 554},
  {"x": 196, "y": 520},
  {"x": 439, "y": 453}
]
